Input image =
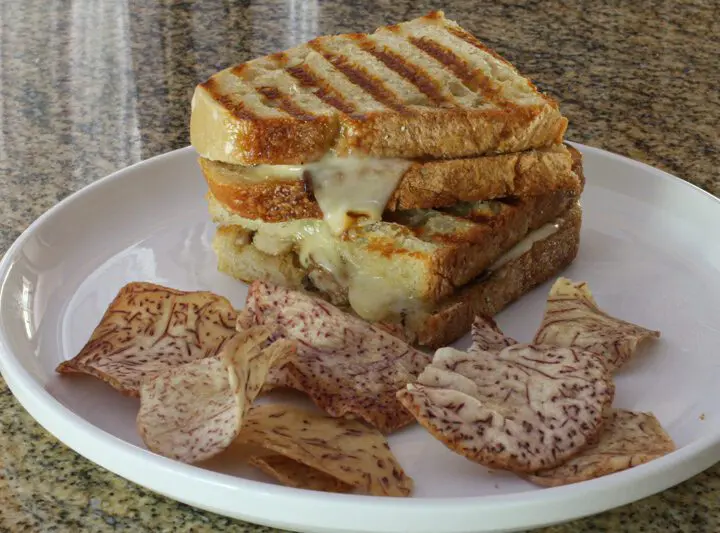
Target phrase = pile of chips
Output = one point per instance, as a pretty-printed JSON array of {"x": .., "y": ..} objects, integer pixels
[{"x": 542, "y": 410}]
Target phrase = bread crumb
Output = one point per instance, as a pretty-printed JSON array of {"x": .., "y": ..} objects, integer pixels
[{"x": 702, "y": 416}]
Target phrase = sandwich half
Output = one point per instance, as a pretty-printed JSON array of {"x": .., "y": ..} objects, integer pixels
[
  {"x": 421, "y": 89},
  {"x": 411, "y": 175}
]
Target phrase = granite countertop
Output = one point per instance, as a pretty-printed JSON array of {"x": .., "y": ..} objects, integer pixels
[{"x": 87, "y": 88}]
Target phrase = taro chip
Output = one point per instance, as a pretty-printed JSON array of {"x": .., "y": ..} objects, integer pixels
[
  {"x": 149, "y": 328},
  {"x": 573, "y": 320},
  {"x": 522, "y": 409},
  {"x": 348, "y": 450},
  {"x": 298, "y": 475},
  {"x": 487, "y": 336},
  {"x": 628, "y": 439},
  {"x": 348, "y": 367},
  {"x": 280, "y": 377},
  {"x": 194, "y": 411}
]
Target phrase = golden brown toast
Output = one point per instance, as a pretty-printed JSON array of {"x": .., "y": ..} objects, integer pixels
[
  {"x": 425, "y": 185},
  {"x": 451, "y": 318},
  {"x": 420, "y": 89}
]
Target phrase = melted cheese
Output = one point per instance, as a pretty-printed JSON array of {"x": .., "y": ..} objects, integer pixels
[
  {"x": 320, "y": 247},
  {"x": 376, "y": 298},
  {"x": 310, "y": 239},
  {"x": 261, "y": 173},
  {"x": 348, "y": 187},
  {"x": 524, "y": 246}
]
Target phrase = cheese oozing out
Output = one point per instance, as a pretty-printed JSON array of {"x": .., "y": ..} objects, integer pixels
[
  {"x": 350, "y": 187},
  {"x": 347, "y": 189}
]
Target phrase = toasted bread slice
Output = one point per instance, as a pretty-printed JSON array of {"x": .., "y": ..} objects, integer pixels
[
  {"x": 419, "y": 258},
  {"x": 433, "y": 325},
  {"x": 421, "y": 89},
  {"x": 424, "y": 185},
  {"x": 490, "y": 294}
]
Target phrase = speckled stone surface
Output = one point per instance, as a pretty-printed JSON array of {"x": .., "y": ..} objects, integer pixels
[{"x": 89, "y": 87}]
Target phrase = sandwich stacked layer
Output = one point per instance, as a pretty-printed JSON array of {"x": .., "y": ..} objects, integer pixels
[{"x": 411, "y": 175}]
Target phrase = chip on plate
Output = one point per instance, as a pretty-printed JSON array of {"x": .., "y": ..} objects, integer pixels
[
  {"x": 347, "y": 450},
  {"x": 573, "y": 319},
  {"x": 297, "y": 475},
  {"x": 347, "y": 366},
  {"x": 487, "y": 336},
  {"x": 149, "y": 328},
  {"x": 525, "y": 408},
  {"x": 628, "y": 439},
  {"x": 194, "y": 411}
]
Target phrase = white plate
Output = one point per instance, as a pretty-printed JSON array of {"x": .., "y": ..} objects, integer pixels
[{"x": 649, "y": 250}]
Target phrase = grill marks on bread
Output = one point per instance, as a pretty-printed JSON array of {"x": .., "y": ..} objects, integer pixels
[
  {"x": 360, "y": 76},
  {"x": 472, "y": 79},
  {"x": 284, "y": 102},
  {"x": 305, "y": 76},
  {"x": 395, "y": 62},
  {"x": 426, "y": 63},
  {"x": 228, "y": 100}
]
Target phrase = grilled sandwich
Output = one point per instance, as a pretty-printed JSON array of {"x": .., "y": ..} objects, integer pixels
[{"x": 411, "y": 175}]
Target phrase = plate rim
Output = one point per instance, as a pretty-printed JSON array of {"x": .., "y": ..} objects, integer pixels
[{"x": 657, "y": 475}]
